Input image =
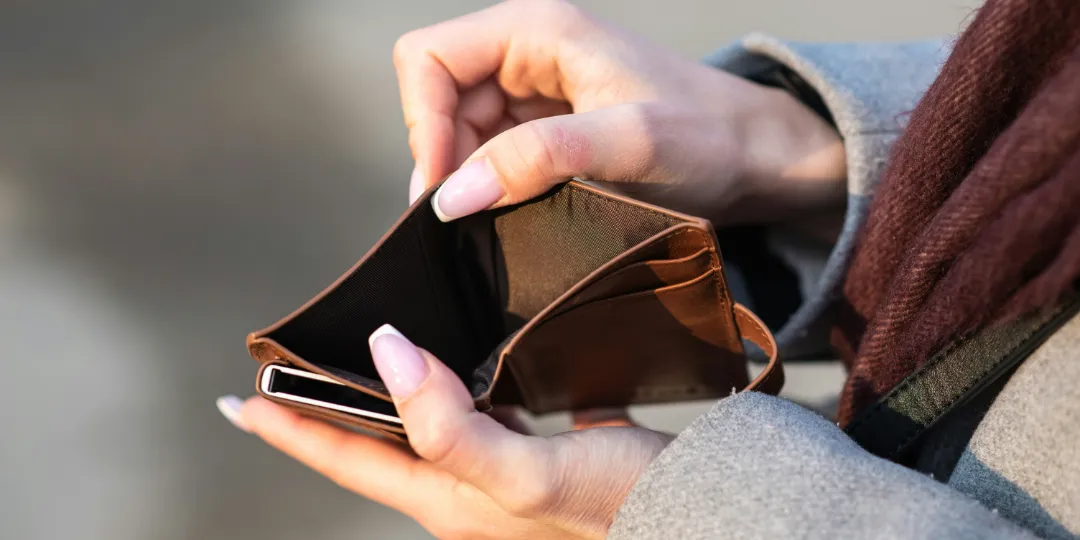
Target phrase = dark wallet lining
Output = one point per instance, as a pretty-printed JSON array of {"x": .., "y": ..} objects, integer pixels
[{"x": 459, "y": 289}]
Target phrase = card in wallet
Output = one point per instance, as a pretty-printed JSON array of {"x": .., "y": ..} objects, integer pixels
[{"x": 577, "y": 299}]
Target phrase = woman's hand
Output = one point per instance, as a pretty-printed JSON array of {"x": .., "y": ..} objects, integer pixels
[
  {"x": 470, "y": 477},
  {"x": 494, "y": 90}
]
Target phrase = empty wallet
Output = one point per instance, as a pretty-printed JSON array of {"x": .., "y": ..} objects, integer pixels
[{"x": 577, "y": 299}]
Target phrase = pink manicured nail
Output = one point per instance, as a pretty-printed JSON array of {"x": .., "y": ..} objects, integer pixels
[
  {"x": 470, "y": 189},
  {"x": 398, "y": 361},
  {"x": 416, "y": 184}
]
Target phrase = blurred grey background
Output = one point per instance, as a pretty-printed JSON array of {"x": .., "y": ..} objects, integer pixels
[{"x": 174, "y": 175}]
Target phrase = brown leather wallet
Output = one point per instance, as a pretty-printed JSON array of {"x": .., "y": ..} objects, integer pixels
[{"x": 577, "y": 299}]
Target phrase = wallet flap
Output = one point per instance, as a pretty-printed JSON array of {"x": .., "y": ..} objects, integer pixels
[{"x": 412, "y": 279}]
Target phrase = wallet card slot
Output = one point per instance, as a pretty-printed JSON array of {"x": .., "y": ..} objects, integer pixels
[
  {"x": 677, "y": 243},
  {"x": 699, "y": 281},
  {"x": 635, "y": 348},
  {"x": 642, "y": 276}
]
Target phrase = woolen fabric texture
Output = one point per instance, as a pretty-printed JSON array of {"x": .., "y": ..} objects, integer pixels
[
  {"x": 975, "y": 220},
  {"x": 752, "y": 465},
  {"x": 868, "y": 88},
  {"x": 756, "y": 466}
]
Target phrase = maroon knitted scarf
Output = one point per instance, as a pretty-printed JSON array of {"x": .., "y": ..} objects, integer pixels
[{"x": 977, "y": 219}]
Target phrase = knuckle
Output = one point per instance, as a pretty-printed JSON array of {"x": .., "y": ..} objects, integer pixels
[
  {"x": 534, "y": 148},
  {"x": 558, "y": 11},
  {"x": 644, "y": 122},
  {"x": 571, "y": 20},
  {"x": 438, "y": 445},
  {"x": 543, "y": 150},
  {"x": 405, "y": 47},
  {"x": 414, "y": 136},
  {"x": 641, "y": 116},
  {"x": 561, "y": 7},
  {"x": 520, "y": 154},
  {"x": 567, "y": 10}
]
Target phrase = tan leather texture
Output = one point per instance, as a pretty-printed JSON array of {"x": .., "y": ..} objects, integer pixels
[{"x": 577, "y": 299}]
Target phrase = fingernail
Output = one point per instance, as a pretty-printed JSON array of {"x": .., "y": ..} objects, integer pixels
[
  {"x": 470, "y": 189},
  {"x": 230, "y": 409},
  {"x": 398, "y": 361},
  {"x": 416, "y": 184}
]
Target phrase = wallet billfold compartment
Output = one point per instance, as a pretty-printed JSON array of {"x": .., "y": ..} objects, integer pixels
[{"x": 577, "y": 299}]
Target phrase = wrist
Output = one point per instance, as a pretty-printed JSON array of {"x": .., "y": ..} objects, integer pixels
[{"x": 794, "y": 161}]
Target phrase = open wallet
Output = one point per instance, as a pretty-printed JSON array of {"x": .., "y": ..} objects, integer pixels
[{"x": 577, "y": 299}]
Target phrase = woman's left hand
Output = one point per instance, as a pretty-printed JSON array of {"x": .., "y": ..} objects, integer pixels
[{"x": 470, "y": 476}]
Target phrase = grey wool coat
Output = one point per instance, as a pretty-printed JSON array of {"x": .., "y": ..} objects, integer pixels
[{"x": 757, "y": 466}]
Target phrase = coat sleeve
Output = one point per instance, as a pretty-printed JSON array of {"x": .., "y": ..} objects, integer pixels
[
  {"x": 868, "y": 89},
  {"x": 757, "y": 466}
]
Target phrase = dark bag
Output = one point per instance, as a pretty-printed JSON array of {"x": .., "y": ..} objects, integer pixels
[{"x": 959, "y": 383}]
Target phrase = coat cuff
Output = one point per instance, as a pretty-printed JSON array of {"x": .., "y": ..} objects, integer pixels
[{"x": 868, "y": 89}]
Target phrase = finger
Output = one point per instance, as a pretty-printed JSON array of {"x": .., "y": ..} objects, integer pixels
[
  {"x": 466, "y": 141},
  {"x": 479, "y": 111},
  {"x": 432, "y": 64},
  {"x": 377, "y": 469},
  {"x": 615, "y": 143},
  {"x": 417, "y": 184},
  {"x": 482, "y": 106},
  {"x": 590, "y": 418},
  {"x": 506, "y": 123},
  {"x": 432, "y": 144},
  {"x": 435, "y": 62},
  {"x": 445, "y": 428}
]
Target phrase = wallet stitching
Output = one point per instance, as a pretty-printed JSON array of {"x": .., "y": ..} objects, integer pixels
[
  {"x": 718, "y": 274},
  {"x": 721, "y": 298},
  {"x": 725, "y": 302}
]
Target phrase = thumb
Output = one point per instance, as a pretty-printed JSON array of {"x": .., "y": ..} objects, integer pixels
[
  {"x": 445, "y": 429},
  {"x": 612, "y": 143}
]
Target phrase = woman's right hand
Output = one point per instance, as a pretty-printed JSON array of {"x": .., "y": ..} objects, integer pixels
[{"x": 529, "y": 93}]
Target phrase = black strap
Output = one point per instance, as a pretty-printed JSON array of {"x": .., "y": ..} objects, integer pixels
[{"x": 951, "y": 379}]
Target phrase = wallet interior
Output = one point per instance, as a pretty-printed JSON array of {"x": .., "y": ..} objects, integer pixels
[{"x": 461, "y": 289}]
